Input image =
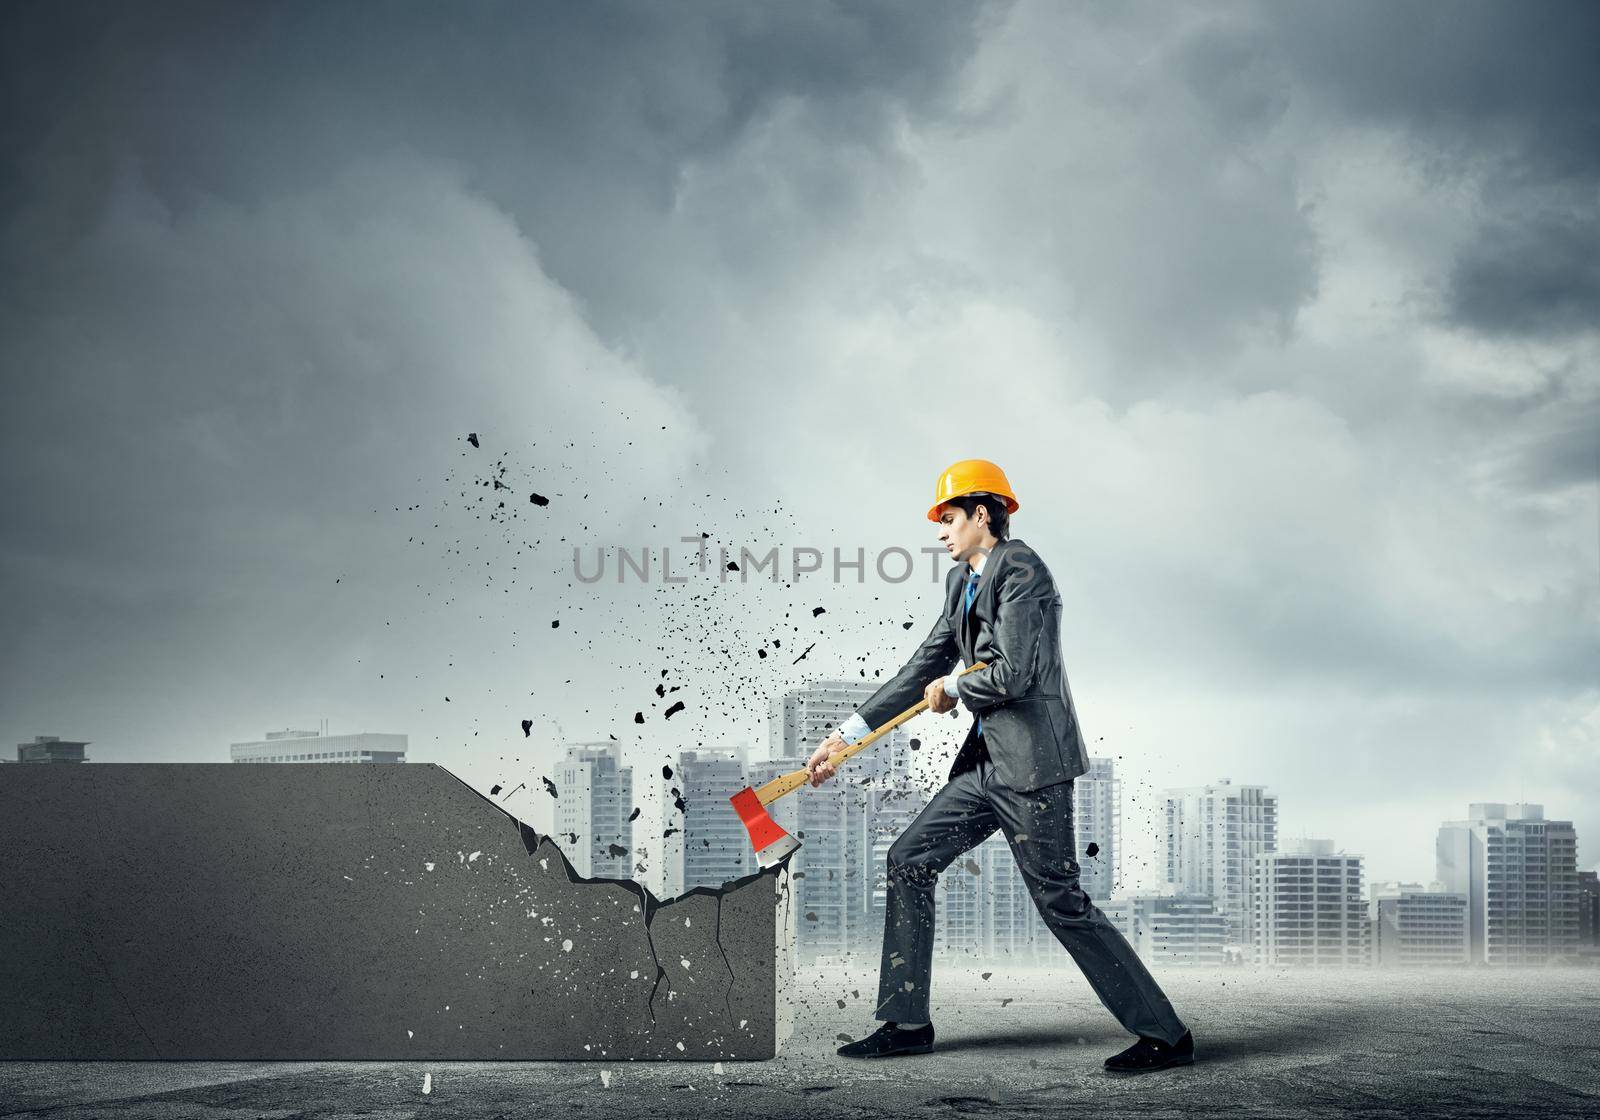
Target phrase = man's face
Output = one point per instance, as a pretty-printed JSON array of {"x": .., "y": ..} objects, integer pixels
[{"x": 962, "y": 535}]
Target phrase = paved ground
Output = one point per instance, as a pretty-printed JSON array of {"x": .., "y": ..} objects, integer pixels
[{"x": 1470, "y": 1043}]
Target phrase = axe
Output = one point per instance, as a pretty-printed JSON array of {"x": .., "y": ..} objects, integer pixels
[{"x": 772, "y": 843}]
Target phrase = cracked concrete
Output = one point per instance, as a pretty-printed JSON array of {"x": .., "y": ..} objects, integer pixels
[{"x": 354, "y": 912}]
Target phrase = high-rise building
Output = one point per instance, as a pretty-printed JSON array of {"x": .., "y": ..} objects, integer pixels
[
  {"x": 830, "y": 873},
  {"x": 1520, "y": 875},
  {"x": 891, "y": 806},
  {"x": 1417, "y": 927},
  {"x": 594, "y": 799},
  {"x": 1307, "y": 908},
  {"x": 1016, "y": 934},
  {"x": 1170, "y": 929},
  {"x": 983, "y": 910},
  {"x": 838, "y": 873},
  {"x": 1213, "y": 835},
  {"x": 714, "y": 846},
  {"x": 1588, "y": 912},
  {"x": 802, "y": 718},
  {"x": 314, "y": 746},
  {"x": 51, "y": 748},
  {"x": 1097, "y": 820}
]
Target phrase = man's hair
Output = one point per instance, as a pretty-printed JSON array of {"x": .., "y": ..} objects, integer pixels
[{"x": 999, "y": 518}]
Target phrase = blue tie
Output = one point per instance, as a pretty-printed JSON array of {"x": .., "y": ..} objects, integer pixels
[{"x": 972, "y": 593}]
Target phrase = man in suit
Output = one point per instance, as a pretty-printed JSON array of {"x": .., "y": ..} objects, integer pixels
[{"x": 1014, "y": 772}]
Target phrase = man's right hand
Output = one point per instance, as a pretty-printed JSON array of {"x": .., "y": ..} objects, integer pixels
[{"x": 821, "y": 764}]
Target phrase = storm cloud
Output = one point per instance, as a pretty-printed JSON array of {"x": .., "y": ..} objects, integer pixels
[{"x": 1280, "y": 317}]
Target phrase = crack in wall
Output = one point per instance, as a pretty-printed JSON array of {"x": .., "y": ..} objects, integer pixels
[{"x": 650, "y": 906}]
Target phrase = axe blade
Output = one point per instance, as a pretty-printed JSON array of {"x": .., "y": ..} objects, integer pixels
[{"x": 772, "y": 843}]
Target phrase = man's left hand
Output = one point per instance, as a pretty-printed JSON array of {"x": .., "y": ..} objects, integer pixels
[{"x": 938, "y": 699}]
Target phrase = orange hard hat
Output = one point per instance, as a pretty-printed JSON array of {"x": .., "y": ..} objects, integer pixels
[{"x": 971, "y": 476}]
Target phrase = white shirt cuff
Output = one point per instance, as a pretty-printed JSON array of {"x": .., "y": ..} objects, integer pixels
[
  {"x": 950, "y": 685},
  {"x": 854, "y": 729}
]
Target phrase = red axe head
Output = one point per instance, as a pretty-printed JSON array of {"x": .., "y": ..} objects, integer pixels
[{"x": 772, "y": 843}]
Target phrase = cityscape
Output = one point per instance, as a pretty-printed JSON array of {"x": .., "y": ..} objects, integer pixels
[{"x": 1507, "y": 890}]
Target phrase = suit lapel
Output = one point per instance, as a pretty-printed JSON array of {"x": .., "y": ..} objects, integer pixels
[{"x": 969, "y": 628}]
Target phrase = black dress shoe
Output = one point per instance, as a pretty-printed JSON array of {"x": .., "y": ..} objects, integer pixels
[
  {"x": 1150, "y": 1054},
  {"x": 889, "y": 1040}
]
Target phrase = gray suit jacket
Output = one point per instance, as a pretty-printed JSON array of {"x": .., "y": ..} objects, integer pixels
[{"x": 1029, "y": 722}]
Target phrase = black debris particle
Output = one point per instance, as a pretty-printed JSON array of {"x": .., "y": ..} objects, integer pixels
[
  {"x": 1092, "y": 850},
  {"x": 905, "y": 626},
  {"x": 472, "y": 438},
  {"x": 638, "y": 717},
  {"x": 676, "y": 708},
  {"x": 494, "y": 789},
  {"x": 555, "y": 623},
  {"x": 761, "y": 653},
  {"x": 732, "y": 567},
  {"x": 538, "y": 499},
  {"x": 803, "y": 653},
  {"x": 550, "y": 788},
  {"x": 633, "y": 816},
  {"x": 666, "y": 772},
  {"x": 818, "y": 610},
  {"x": 916, "y": 744},
  {"x": 616, "y": 850},
  {"x": 527, "y": 728}
]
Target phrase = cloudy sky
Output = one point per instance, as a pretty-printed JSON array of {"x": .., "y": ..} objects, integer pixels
[{"x": 1281, "y": 318}]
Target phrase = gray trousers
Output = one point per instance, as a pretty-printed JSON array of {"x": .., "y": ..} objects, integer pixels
[{"x": 1038, "y": 826}]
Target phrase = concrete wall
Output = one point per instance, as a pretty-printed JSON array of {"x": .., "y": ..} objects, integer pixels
[{"x": 353, "y": 912}]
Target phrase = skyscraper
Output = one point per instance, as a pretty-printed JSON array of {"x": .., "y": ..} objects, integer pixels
[
  {"x": 1415, "y": 926},
  {"x": 1520, "y": 875},
  {"x": 1097, "y": 820},
  {"x": 594, "y": 799},
  {"x": 983, "y": 909},
  {"x": 800, "y": 719},
  {"x": 1307, "y": 908},
  {"x": 1213, "y": 835},
  {"x": 715, "y": 847},
  {"x": 314, "y": 746},
  {"x": 837, "y": 874}
]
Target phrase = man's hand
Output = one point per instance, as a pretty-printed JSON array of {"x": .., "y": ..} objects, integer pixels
[
  {"x": 938, "y": 699},
  {"x": 821, "y": 763}
]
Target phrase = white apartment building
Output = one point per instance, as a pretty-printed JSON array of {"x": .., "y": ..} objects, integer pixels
[
  {"x": 1171, "y": 929},
  {"x": 314, "y": 746},
  {"x": 594, "y": 798},
  {"x": 1519, "y": 873},
  {"x": 1307, "y": 908},
  {"x": 1212, "y": 837},
  {"x": 1417, "y": 927}
]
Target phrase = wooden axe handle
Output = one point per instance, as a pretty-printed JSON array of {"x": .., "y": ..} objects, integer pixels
[{"x": 788, "y": 783}]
